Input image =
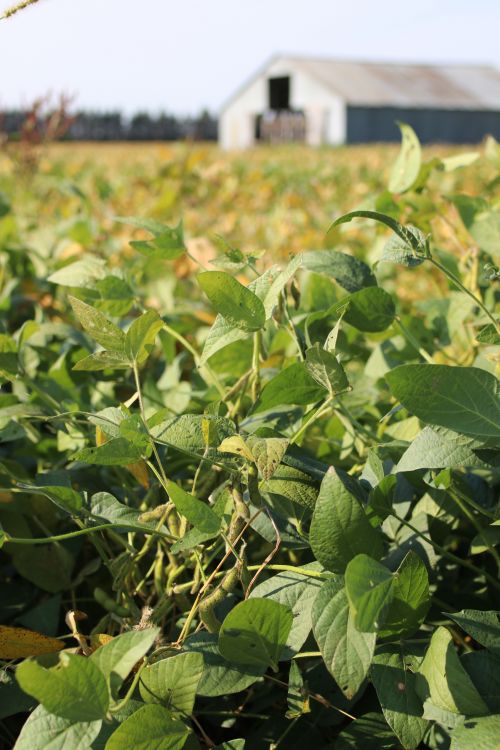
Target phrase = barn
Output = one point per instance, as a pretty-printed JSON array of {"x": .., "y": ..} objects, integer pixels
[{"x": 322, "y": 101}]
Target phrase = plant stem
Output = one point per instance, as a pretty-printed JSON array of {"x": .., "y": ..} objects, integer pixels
[
  {"x": 413, "y": 341},
  {"x": 71, "y": 534},
  {"x": 257, "y": 342},
  {"x": 451, "y": 276},
  {"x": 454, "y": 558},
  {"x": 316, "y": 414},
  {"x": 211, "y": 376}
]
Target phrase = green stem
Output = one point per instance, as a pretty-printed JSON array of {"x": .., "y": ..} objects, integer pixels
[
  {"x": 119, "y": 706},
  {"x": 211, "y": 376},
  {"x": 454, "y": 558},
  {"x": 257, "y": 341},
  {"x": 71, "y": 534},
  {"x": 413, "y": 341},
  {"x": 315, "y": 415},
  {"x": 451, "y": 276},
  {"x": 480, "y": 530}
]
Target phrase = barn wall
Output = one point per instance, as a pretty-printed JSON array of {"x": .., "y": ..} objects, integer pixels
[
  {"x": 325, "y": 112},
  {"x": 369, "y": 124}
]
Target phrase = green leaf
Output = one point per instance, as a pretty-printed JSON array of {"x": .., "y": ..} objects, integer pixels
[
  {"x": 271, "y": 298},
  {"x": 98, "y": 326},
  {"x": 297, "y": 697},
  {"x": 74, "y": 689},
  {"x": 140, "y": 337},
  {"x": 478, "y": 733},
  {"x": 407, "y": 165},
  {"x": 103, "y": 360},
  {"x": 411, "y": 598},
  {"x": 150, "y": 728},
  {"x": 340, "y": 528},
  {"x": 82, "y": 273},
  {"x": 394, "y": 683},
  {"x": 403, "y": 232},
  {"x": 237, "y": 304},
  {"x": 116, "y": 452},
  {"x": 352, "y": 274},
  {"x": 484, "y": 670},
  {"x": 489, "y": 335},
  {"x": 118, "y": 657},
  {"x": 369, "y": 732},
  {"x": 294, "y": 485},
  {"x": 293, "y": 385},
  {"x": 397, "y": 250},
  {"x": 106, "y": 506},
  {"x": 255, "y": 632},
  {"x": 44, "y": 731},
  {"x": 346, "y": 651},
  {"x": 370, "y": 590},
  {"x": 483, "y": 626},
  {"x": 443, "y": 682},
  {"x": 220, "y": 677},
  {"x": 463, "y": 399},
  {"x": 67, "y": 499},
  {"x": 199, "y": 514},
  {"x": 438, "y": 448},
  {"x": 168, "y": 242},
  {"x": 237, "y": 744},
  {"x": 370, "y": 310},
  {"x": 173, "y": 682},
  {"x": 326, "y": 370},
  {"x": 267, "y": 453},
  {"x": 297, "y": 592}
]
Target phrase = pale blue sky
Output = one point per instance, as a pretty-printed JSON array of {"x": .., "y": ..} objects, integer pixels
[{"x": 182, "y": 55}]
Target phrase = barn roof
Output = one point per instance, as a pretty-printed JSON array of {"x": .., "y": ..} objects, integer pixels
[
  {"x": 399, "y": 84},
  {"x": 408, "y": 85}
]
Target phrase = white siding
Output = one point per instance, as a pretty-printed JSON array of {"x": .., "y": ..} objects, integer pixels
[{"x": 325, "y": 113}]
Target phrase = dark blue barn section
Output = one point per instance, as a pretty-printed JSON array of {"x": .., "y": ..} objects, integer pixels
[{"x": 378, "y": 124}]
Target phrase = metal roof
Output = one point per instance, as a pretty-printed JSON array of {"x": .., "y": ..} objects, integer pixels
[
  {"x": 400, "y": 84},
  {"x": 408, "y": 85}
]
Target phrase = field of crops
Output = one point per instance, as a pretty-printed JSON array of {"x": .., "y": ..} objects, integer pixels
[{"x": 249, "y": 447}]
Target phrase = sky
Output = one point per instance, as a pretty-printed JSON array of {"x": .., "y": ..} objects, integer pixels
[{"x": 181, "y": 56}]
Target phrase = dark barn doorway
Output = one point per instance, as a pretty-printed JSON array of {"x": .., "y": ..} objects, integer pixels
[{"x": 279, "y": 93}]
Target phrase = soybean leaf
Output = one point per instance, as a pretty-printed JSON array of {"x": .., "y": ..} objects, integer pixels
[
  {"x": 103, "y": 360},
  {"x": 411, "y": 598},
  {"x": 118, "y": 657},
  {"x": 267, "y": 453},
  {"x": 106, "y": 506},
  {"x": 82, "y": 273},
  {"x": 340, "y": 528},
  {"x": 483, "y": 626},
  {"x": 369, "y": 731},
  {"x": 489, "y": 335},
  {"x": 173, "y": 682},
  {"x": 351, "y": 273},
  {"x": 463, "y": 399},
  {"x": 483, "y": 668},
  {"x": 271, "y": 298},
  {"x": 74, "y": 689},
  {"x": 438, "y": 448},
  {"x": 18, "y": 643},
  {"x": 406, "y": 235},
  {"x": 293, "y": 385},
  {"x": 294, "y": 485},
  {"x": 98, "y": 326},
  {"x": 397, "y": 250},
  {"x": 151, "y": 727},
  {"x": 255, "y": 632},
  {"x": 325, "y": 369},
  {"x": 407, "y": 166},
  {"x": 199, "y": 514},
  {"x": 480, "y": 733},
  {"x": 297, "y": 592},
  {"x": 65, "y": 498},
  {"x": 395, "y": 683},
  {"x": 115, "y": 452},
  {"x": 370, "y": 310},
  {"x": 346, "y": 651},
  {"x": 140, "y": 337},
  {"x": 241, "y": 307},
  {"x": 221, "y": 677},
  {"x": 45, "y": 731},
  {"x": 297, "y": 697},
  {"x": 370, "y": 590},
  {"x": 443, "y": 682}
]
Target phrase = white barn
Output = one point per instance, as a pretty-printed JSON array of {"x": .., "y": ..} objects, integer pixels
[{"x": 322, "y": 101}]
